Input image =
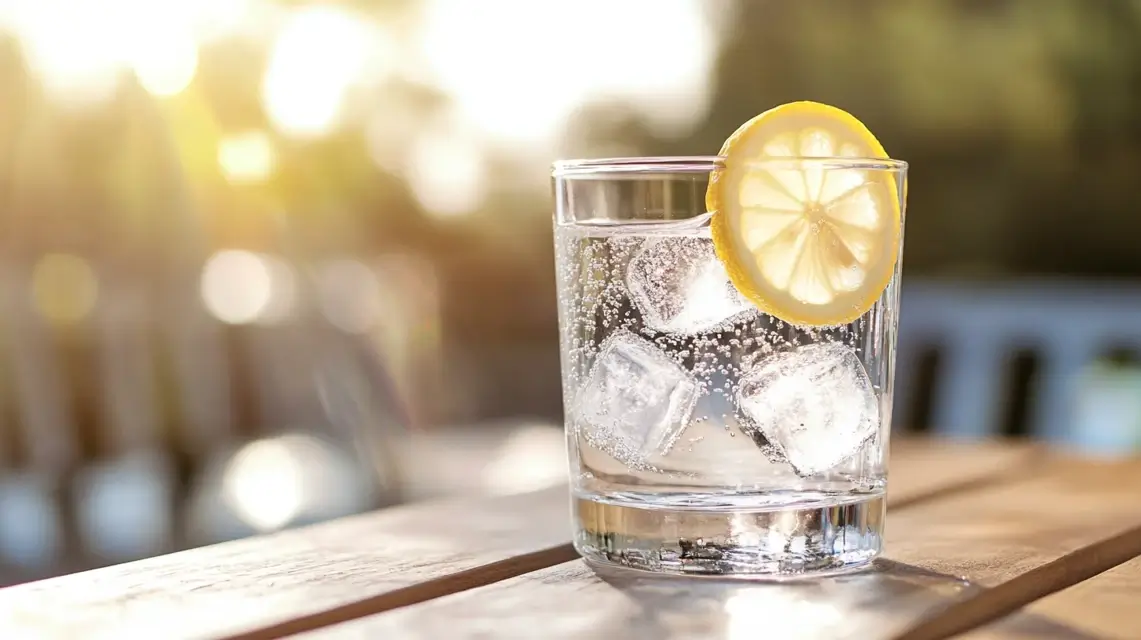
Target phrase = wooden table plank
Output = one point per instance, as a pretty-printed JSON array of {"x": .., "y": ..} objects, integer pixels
[
  {"x": 1105, "y": 606},
  {"x": 307, "y": 578},
  {"x": 1022, "y": 541},
  {"x": 329, "y": 571},
  {"x": 953, "y": 563},
  {"x": 922, "y": 468}
]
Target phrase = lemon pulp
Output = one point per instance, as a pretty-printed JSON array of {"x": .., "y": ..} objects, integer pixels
[{"x": 809, "y": 241}]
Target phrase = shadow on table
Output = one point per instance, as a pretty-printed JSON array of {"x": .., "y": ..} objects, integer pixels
[{"x": 892, "y": 600}]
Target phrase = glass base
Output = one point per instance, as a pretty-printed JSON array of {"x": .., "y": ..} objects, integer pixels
[{"x": 782, "y": 542}]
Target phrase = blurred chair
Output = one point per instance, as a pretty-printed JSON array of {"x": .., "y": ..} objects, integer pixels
[
  {"x": 977, "y": 331},
  {"x": 124, "y": 501},
  {"x": 147, "y": 425},
  {"x": 32, "y": 518}
]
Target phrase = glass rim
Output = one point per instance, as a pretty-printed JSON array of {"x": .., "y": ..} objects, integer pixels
[{"x": 650, "y": 165}]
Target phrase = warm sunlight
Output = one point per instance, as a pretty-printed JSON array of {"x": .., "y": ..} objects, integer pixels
[
  {"x": 317, "y": 57},
  {"x": 246, "y": 157},
  {"x": 79, "y": 49},
  {"x": 523, "y": 88},
  {"x": 164, "y": 59},
  {"x": 447, "y": 174}
]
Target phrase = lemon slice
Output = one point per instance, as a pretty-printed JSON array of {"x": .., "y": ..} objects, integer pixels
[{"x": 810, "y": 242}]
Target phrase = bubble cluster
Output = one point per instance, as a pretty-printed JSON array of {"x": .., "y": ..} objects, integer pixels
[{"x": 719, "y": 444}]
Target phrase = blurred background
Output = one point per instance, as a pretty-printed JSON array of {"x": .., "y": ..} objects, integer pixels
[{"x": 267, "y": 263}]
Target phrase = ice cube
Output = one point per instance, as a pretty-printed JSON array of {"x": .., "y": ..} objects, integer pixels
[
  {"x": 815, "y": 404},
  {"x": 636, "y": 401},
  {"x": 680, "y": 286}
]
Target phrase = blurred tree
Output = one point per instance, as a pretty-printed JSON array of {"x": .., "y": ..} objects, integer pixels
[{"x": 1020, "y": 118}]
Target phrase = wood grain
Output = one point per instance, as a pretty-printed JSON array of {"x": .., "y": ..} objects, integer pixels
[
  {"x": 1105, "y": 606},
  {"x": 305, "y": 579},
  {"x": 310, "y": 576},
  {"x": 953, "y": 563}
]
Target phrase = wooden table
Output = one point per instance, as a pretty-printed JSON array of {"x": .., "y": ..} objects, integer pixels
[{"x": 992, "y": 541}]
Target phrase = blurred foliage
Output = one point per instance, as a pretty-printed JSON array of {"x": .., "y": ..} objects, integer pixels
[{"x": 1021, "y": 120}]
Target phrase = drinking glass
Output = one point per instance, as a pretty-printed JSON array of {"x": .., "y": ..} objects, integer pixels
[{"x": 705, "y": 436}]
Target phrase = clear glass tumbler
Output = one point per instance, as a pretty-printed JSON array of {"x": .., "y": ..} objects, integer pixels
[{"x": 704, "y": 436}]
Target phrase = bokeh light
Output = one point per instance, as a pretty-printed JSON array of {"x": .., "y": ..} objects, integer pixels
[
  {"x": 215, "y": 19},
  {"x": 275, "y": 482},
  {"x": 121, "y": 506},
  {"x": 64, "y": 288},
  {"x": 247, "y": 157},
  {"x": 317, "y": 57},
  {"x": 79, "y": 49},
  {"x": 240, "y": 287},
  {"x": 31, "y": 531},
  {"x": 523, "y": 88},
  {"x": 77, "y": 58},
  {"x": 263, "y": 484},
  {"x": 447, "y": 174},
  {"x": 164, "y": 59}
]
